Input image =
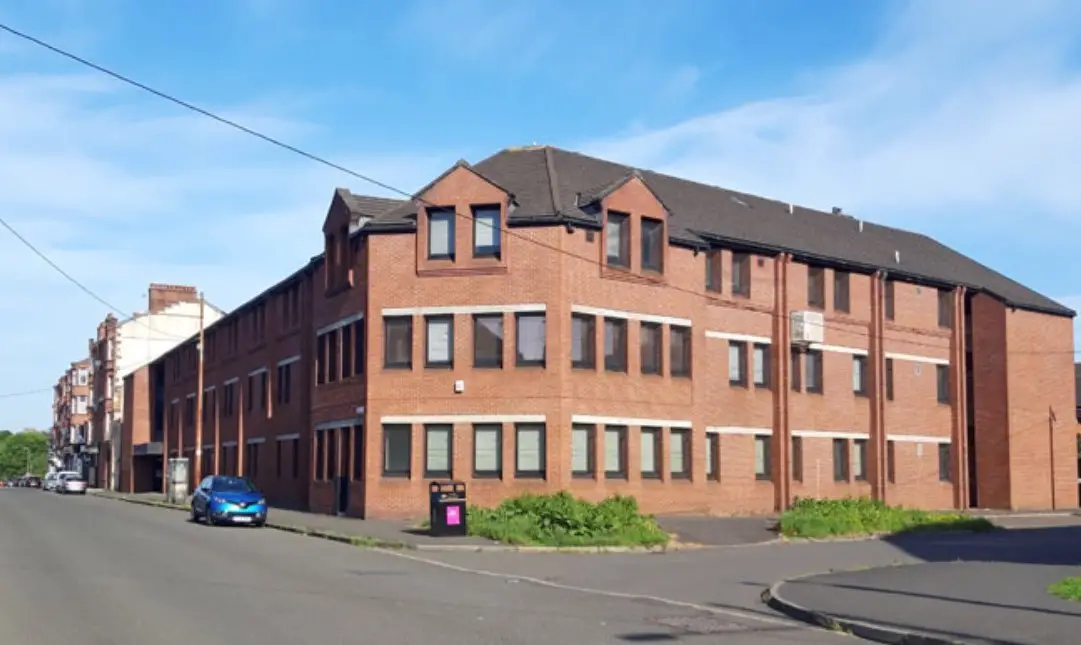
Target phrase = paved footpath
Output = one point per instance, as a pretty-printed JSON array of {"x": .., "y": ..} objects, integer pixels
[{"x": 93, "y": 571}]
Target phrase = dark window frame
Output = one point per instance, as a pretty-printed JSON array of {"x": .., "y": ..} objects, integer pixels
[
  {"x": 589, "y": 338},
  {"x": 888, "y": 368},
  {"x": 448, "y": 362},
  {"x": 621, "y": 472},
  {"x": 389, "y": 323},
  {"x": 440, "y": 213},
  {"x": 795, "y": 369},
  {"x": 713, "y": 457},
  {"x": 890, "y": 299},
  {"x": 618, "y": 362},
  {"x": 813, "y": 367},
  {"x": 767, "y": 366},
  {"x": 741, "y": 274},
  {"x": 519, "y": 360},
  {"x": 448, "y": 428},
  {"x": 591, "y": 451},
  {"x": 944, "y": 462},
  {"x": 741, "y": 379},
  {"x": 656, "y": 228},
  {"x": 685, "y": 438},
  {"x": 842, "y": 466},
  {"x": 797, "y": 459},
  {"x": 494, "y": 250},
  {"x": 656, "y": 435},
  {"x": 945, "y": 308},
  {"x": 654, "y": 354},
  {"x": 715, "y": 271},
  {"x": 842, "y": 295},
  {"x": 816, "y": 287},
  {"x": 542, "y": 473},
  {"x": 623, "y": 221},
  {"x": 497, "y": 473},
  {"x": 495, "y": 362},
  {"x": 392, "y": 430},
  {"x": 942, "y": 384},
  {"x": 859, "y": 361},
  {"x": 766, "y": 441},
  {"x": 861, "y": 448},
  {"x": 681, "y": 344}
]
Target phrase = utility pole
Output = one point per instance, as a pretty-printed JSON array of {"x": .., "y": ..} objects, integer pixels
[
  {"x": 198, "y": 465},
  {"x": 27, "y": 460}
]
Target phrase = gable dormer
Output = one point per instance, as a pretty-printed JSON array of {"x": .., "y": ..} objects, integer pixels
[
  {"x": 634, "y": 224},
  {"x": 462, "y": 223},
  {"x": 338, "y": 271}
]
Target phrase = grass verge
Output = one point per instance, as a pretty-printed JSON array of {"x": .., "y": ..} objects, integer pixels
[
  {"x": 561, "y": 520},
  {"x": 823, "y": 518},
  {"x": 1067, "y": 589}
]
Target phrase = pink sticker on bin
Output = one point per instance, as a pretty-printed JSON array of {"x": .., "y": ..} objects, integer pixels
[{"x": 454, "y": 517}]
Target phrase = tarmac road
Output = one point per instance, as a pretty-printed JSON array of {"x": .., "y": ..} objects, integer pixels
[{"x": 91, "y": 571}]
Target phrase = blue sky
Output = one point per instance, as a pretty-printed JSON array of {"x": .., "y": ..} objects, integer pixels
[{"x": 958, "y": 119}]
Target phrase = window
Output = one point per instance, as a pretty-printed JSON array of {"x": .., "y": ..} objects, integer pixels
[
  {"x": 251, "y": 461},
  {"x": 652, "y": 245},
  {"x": 437, "y": 450},
  {"x": 761, "y": 365},
  {"x": 890, "y": 313},
  {"x": 358, "y": 453},
  {"x": 320, "y": 360},
  {"x": 529, "y": 451},
  {"x": 347, "y": 436},
  {"x": 737, "y": 363},
  {"x": 440, "y": 233},
  {"x": 942, "y": 380},
  {"x": 488, "y": 340},
  {"x": 488, "y": 451},
  {"x": 264, "y": 380},
  {"x": 530, "y": 339},
  {"x": 582, "y": 455},
  {"x": 713, "y": 456},
  {"x": 615, "y": 345},
  {"x": 679, "y": 453},
  {"x": 816, "y": 287},
  {"x": 332, "y": 454},
  {"x": 889, "y": 379},
  {"x": 296, "y": 458},
  {"x": 397, "y": 450},
  {"x": 741, "y": 274},
  {"x": 439, "y": 341},
  {"x": 859, "y": 460},
  {"x": 797, "y": 459},
  {"x": 649, "y": 338},
  {"x": 615, "y": 452},
  {"x": 583, "y": 341},
  {"x": 859, "y": 375},
  {"x": 943, "y": 462},
  {"x": 359, "y": 355},
  {"x": 487, "y": 234},
  {"x": 189, "y": 409},
  {"x": 891, "y": 462},
  {"x": 347, "y": 351},
  {"x": 841, "y": 297},
  {"x": 679, "y": 344},
  {"x": 840, "y": 460},
  {"x": 320, "y": 455},
  {"x": 763, "y": 459},
  {"x": 285, "y": 383},
  {"x": 945, "y": 309},
  {"x": 398, "y": 342},
  {"x": 812, "y": 363},
  {"x": 795, "y": 375},
  {"x": 617, "y": 245},
  {"x": 278, "y": 459},
  {"x": 228, "y": 399},
  {"x": 714, "y": 272},
  {"x": 650, "y": 452}
]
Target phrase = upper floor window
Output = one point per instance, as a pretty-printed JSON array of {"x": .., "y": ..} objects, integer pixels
[
  {"x": 487, "y": 238},
  {"x": 812, "y": 376},
  {"x": 530, "y": 332},
  {"x": 816, "y": 287},
  {"x": 649, "y": 338},
  {"x": 714, "y": 272},
  {"x": 617, "y": 232},
  {"x": 615, "y": 345},
  {"x": 652, "y": 245},
  {"x": 840, "y": 291},
  {"x": 440, "y": 233},
  {"x": 398, "y": 342},
  {"x": 488, "y": 340},
  {"x": 890, "y": 312},
  {"x": 945, "y": 309},
  {"x": 583, "y": 341},
  {"x": 741, "y": 274},
  {"x": 439, "y": 341},
  {"x": 859, "y": 375},
  {"x": 679, "y": 340}
]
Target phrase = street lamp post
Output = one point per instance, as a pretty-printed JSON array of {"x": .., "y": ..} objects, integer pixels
[{"x": 27, "y": 460}]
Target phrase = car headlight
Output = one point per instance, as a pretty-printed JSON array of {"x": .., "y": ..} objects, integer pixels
[
  {"x": 217, "y": 500},
  {"x": 261, "y": 502}
]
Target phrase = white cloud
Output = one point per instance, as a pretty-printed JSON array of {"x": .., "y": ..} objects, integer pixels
[
  {"x": 962, "y": 106},
  {"x": 122, "y": 191}
]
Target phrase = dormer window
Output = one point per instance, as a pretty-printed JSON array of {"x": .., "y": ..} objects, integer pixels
[
  {"x": 652, "y": 245},
  {"x": 617, "y": 232},
  {"x": 440, "y": 233},
  {"x": 487, "y": 236}
]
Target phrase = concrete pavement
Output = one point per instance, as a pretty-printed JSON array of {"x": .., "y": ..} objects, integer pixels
[{"x": 93, "y": 571}]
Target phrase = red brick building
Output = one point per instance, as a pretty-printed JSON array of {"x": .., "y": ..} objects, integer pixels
[
  {"x": 544, "y": 320},
  {"x": 71, "y": 415}
]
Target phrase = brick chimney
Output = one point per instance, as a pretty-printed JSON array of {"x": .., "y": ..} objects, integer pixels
[{"x": 162, "y": 296}]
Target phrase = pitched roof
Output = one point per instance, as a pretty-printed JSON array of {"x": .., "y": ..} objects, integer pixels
[{"x": 549, "y": 182}]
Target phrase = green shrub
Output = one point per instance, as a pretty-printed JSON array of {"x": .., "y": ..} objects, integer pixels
[
  {"x": 815, "y": 518},
  {"x": 563, "y": 520},
  {"x": 1067, "y": 589}
]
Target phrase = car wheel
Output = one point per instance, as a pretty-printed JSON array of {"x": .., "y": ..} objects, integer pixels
[
  {"x": 208, "y": 519},
  {"x": 194, "y": 515}
]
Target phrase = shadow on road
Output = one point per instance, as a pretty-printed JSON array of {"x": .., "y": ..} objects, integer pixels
[{"x": 1056, "y": 545}]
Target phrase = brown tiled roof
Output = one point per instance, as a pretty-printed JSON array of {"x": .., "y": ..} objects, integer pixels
[{"x": 551, "y": 183}]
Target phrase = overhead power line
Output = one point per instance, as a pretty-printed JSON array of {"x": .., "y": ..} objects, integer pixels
[{"x": 361, "y": 176}]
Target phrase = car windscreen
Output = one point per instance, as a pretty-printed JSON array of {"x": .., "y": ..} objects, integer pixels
[{"x": 232, "y": 485}]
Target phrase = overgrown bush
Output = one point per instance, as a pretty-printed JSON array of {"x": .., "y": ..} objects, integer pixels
[
  {"x": 815, "y": 518},
  {"x": 564, "y": 520}
]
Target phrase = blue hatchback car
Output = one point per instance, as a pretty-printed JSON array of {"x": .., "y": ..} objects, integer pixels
[{"x": 222, "y": 499}]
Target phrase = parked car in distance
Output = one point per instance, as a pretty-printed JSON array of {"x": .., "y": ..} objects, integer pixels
[
  {"x": 33, "y": 482},
  {"x": 49, "y": 483},
  {"x": 222, "y": 499},
  {"x": 71, "y": 484}
]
